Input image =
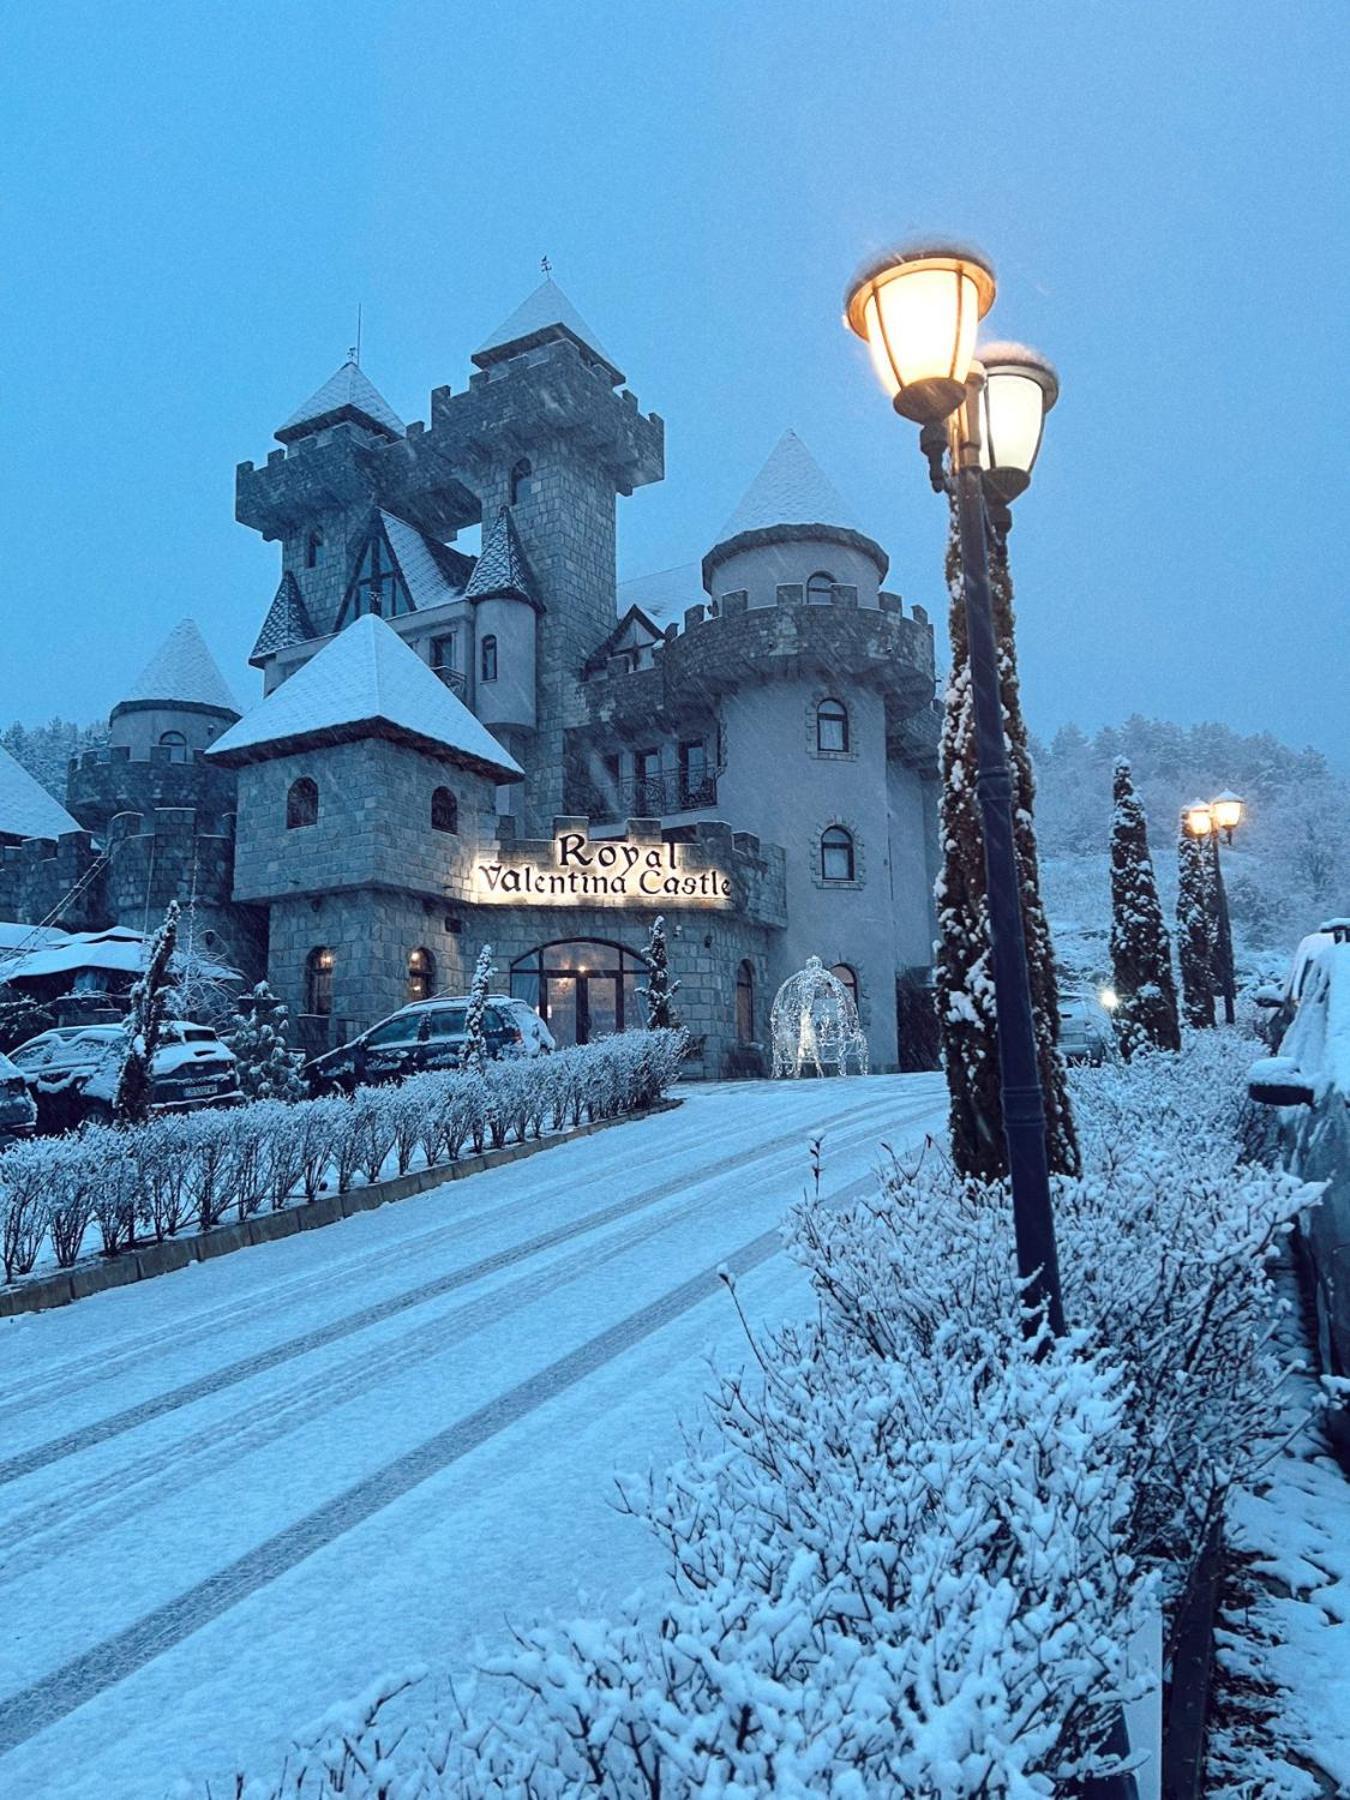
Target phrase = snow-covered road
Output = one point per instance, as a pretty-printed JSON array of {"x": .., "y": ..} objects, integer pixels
[{"x": 234, "y": 1495}]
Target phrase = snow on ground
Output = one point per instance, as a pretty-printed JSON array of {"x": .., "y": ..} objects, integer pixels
[{"x": 232, "y": 1496}]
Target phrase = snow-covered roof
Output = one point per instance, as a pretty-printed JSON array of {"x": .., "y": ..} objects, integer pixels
[
  {"x": 546, "y": 313},
  {"x": 348, "y": 394},
  {"x": 183, "y": 670},
  {"x": 118, "y": 951},
  {"x": 29, "y": 937},
  {"x": 365, "y": 682},
  {"x": 287, "y": 622},
  {"x": 791, "y": 489},
  {"x": 663, "y": 596},
  {"x": 502, "y": 568},
  {"x": 27, "y": 810},
  {"x": 425, "y": 575}
]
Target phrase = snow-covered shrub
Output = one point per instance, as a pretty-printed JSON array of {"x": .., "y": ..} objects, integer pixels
[
  {"x": 366, "y": 1137},
  {"x": 268, "y": 1067},
  {"x": 208, "y": 1166},
  {"x": 162, "y": 1150},
  {"x": 73, "y": 1180},
  {"x": 316, "y": 1126},
  {"x": 24, "y": 1204},
  {"x": 119, "y": 1200},
  {"x": 408, "y": 1106}
]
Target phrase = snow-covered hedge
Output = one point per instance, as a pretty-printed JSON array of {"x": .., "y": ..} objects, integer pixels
[
  {"x": 910, "y": 1555},
  {"x": 190, "y": 1171}
]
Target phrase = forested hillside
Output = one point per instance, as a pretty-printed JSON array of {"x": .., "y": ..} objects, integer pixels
[{"x": 44, "y": 750}]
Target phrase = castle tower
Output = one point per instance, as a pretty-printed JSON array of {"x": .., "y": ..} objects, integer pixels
[
  {"x": 366, "y": 787},
  {"x": 178, "y": 704},
  {"x": 502, "y": 593}
]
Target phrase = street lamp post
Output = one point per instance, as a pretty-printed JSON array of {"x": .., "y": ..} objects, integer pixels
[
  {"x": 917, "y": 309},
  {"x": 1207, "y": 819}
]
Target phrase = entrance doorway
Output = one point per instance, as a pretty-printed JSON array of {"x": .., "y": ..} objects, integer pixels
[{"x": 583, "y": 988}]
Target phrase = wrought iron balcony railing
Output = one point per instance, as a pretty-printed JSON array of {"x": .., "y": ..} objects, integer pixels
[
  {"x": 453, "y": 679},
  {"x": 651, "y": 796}
]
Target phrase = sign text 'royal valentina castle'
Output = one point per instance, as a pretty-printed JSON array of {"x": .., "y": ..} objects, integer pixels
[{"x": 515, "y": 748}]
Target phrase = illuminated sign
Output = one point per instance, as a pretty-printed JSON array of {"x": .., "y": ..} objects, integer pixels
[{"x": 577, "y": 870}]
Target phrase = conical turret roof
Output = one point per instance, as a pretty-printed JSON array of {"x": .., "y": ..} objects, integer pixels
[
  {"x": 26, "y": 808},
  {"x": 791, "y": 497},
  {"x": 287, "y": 622},
  {"x": 365, "y": 682},
  {"x": 547, "y": 313},
  {"x": 348, "y": 394},
  {"x": 502, "y": 570},
  {"x": 182, "y": 672}
]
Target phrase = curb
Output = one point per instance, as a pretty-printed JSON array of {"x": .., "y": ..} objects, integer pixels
[{"x": 148, "y": 1260}]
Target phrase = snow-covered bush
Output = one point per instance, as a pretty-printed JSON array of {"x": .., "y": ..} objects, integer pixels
[
  {"x": 162, "y": 1153},
  {"x": 268, "y": 1067},
  {"x": 73, "y": 1178},
  {"x": 24, "y": 1205}
]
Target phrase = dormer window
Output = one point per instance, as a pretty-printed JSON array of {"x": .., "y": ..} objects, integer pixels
[
  {"x": 818, "y": 589},
  {"x": 377, "y": 586}
]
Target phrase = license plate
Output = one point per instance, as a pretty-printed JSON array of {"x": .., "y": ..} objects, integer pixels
[{"x": 198, "y": 1093}]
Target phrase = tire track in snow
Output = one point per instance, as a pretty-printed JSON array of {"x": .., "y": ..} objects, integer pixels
[
  {"x": 170, "y": 1469},
  {"x": 75, "y": 1683},
  {"x": 99, "y": 1431}
]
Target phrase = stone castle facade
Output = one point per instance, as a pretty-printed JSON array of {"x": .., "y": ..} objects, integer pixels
[{"x": 453, "y": 749}]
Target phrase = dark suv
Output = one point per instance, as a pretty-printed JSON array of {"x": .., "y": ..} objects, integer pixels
[{"x": 427, "y": 1035}]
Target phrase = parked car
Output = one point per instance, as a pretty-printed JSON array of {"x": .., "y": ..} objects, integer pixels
[
  {"x": 18, "y": 1114},
  {"x": 1085, "y": 1030},
  {"x": 429, "y": 1034},
  {"x": 72, "y": 1072},
  {"x": 1308, "y": 1081}
]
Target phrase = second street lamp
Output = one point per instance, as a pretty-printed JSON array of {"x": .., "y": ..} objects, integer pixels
[
  {"x": 1206, "y": 819},
  {"x": 917, "y": 309}
]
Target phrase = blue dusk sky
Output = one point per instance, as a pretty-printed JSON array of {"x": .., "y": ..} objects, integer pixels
[{"x": 197, "y": 196}]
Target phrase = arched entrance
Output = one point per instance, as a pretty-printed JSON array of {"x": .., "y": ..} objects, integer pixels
[{"x": 583, "y": 987}]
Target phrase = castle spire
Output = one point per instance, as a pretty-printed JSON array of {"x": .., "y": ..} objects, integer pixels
[
  {"x": 347, "y": 395},
  {"x": 182, "y": 672},
  {"x": 546, "y": 314},
  {"x": 791, "y": 499}
]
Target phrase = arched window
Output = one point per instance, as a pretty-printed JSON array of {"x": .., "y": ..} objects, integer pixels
[
  {"x": 312, "y": 546},
  {"x": 521, "y": 483},
  {"x": 444, "y": 811},
  {"x": 487, "y": 659},
  {"x": 421, "y": 975},
  {"x": 831, "y": 726},
  {"x": 176, "y": 745},
  {"x": 302, "y": 803},
  {"x": 849, "y": 976},
  {"x": 836, "y": 854},
  {"x": 818, "y": 589},
  {"x": 319, "y": 981},
  {"x": 583, "y": 988},
  {"x": 745, "y": 1003}
]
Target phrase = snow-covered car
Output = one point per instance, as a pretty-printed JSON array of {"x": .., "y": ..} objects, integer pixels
[
  {"x": 72, "y": 1072},
  {"x": 18, "y": 1114},
  {"x": 429, "y": 1034},
  {"x": 1308, "y": 1080},
  {"x": 1085, "y": 1030}
]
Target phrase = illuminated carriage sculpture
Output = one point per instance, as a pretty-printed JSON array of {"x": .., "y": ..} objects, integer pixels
[{"x": 814, "y": 1020}]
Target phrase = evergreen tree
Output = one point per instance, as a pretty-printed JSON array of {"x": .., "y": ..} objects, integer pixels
[
  {"x": 1141, "y": 952},
  {"x": 964, "y": 973},
  {"x": 149, "y": 1006},
  {"x": 659, "y": 992},
  {"x": 268, "y": 1068},
  {"x": 475, "y": 1040},
  {"x": 1195, "y": 950}
]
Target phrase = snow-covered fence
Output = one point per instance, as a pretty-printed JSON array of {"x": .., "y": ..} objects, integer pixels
[
  {"x": 193, "y": 1171},
  {"x": 913, "y": 1552}
]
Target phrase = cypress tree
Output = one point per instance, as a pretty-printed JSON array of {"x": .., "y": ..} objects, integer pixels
[
  {"x": 964, "y": 972},
  {"x": 149, "y": 1004},
  {"x": 1195, "y": 948},
  {"x": 474, "y": 1055},
  {"x": 1141, "y": 952},
  {"x": 659, "y": 992}
]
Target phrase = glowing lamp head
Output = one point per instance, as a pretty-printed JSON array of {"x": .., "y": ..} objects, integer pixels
[
  {"x": 1020, "y": 387},
  {"x": 1109, "y": 998},
  {"x": 917, "y": 308},
  {"x": 1227, "y": 811},
  {"x": 1199, "y": 819}
]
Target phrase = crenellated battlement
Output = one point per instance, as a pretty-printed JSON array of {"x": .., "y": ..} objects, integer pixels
[{"x": 102, "y": 783}]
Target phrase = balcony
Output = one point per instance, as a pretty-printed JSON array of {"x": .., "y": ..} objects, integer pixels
[
  {"x": 651, "y": 796},
  {"x": 453, "y": 679}
]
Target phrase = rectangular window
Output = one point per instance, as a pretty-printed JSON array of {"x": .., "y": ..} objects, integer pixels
[
  {"x": 694, "y": 784},
  {"x": 649, "y": 796},
  {"x": 445, "y": 651}
]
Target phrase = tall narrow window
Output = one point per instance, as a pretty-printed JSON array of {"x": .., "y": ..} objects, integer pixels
[
  {"x": 377, "y": 587},
  {"x": 522, "y": 480},
  {"x": 648, "y": 789},
  {"x": 445, "y": 651},
  {"x": 444, "y": 810},
  {"x": 487, "y": 659},
  {"x": 695, "y": 787},
  {"x": 745, "y": 1003},
  {"x": 836, "y": 854},
  {"x": 302, "y": 803},
  {"x": 421, "y": 974},
  {"x": 831, "y": 726},
  {"x": 818, "y": 589},
  {"x": 176, "y": 745},
  {"x": 313, "y": 544},
  {"x": 319, "y": 981}
]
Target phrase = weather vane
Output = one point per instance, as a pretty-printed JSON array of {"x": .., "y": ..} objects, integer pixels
[
  {"x": 545, "y": 265},
  {"x": 354, "y": 353}
]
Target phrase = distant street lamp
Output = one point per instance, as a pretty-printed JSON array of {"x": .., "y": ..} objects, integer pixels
[
  {"x": 917, "y": 309},
  {"x": 1206, "y": 819}
]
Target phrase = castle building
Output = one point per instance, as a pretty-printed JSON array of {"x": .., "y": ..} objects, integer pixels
[{"x": 512, "y": 748}]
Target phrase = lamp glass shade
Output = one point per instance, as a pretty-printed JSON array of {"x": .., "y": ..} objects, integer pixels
[
  {"x": 1227, "y": 811},
  {"x": 1012, "y": 406},
  {"x": 1199, "y": 821},
  {"x": 919, "y": 311}
]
